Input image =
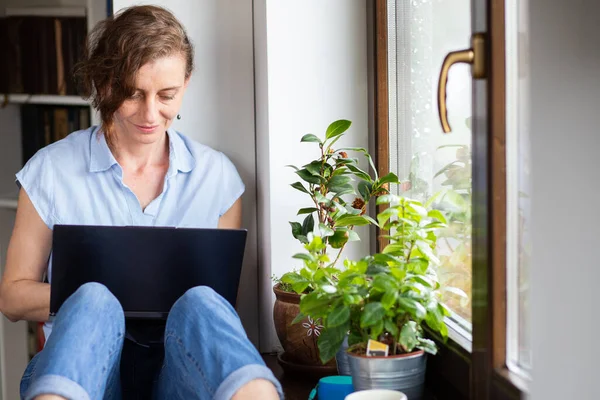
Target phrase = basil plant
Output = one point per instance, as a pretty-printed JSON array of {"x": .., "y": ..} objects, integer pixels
[{"x": 388, "y": 296}]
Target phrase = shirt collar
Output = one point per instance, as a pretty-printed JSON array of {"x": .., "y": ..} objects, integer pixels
[{"x": 102, "y": 159}]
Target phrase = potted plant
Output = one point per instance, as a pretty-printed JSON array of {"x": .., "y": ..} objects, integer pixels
[
  {"x": 387, "y": 297},
  {"x": 338, "y": 192}
]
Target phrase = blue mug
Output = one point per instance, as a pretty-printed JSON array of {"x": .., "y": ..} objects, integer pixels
[{"x": 335, "y": 387}]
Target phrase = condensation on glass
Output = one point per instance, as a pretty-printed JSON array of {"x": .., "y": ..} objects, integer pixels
[{"x": 433, "y": 166}]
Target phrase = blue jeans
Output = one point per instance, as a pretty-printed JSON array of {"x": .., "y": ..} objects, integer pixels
[{"x": 207, "y": 354}]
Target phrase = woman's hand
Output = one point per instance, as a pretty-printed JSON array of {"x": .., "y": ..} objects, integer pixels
[{"x": 23, "y": 295}]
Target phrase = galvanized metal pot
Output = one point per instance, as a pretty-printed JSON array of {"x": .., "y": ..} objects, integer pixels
[
  {"x": 405, "y": 373},
  {"x": 341, "y": 359}
]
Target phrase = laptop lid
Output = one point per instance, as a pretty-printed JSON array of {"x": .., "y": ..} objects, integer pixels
[{"x": 146, "y": 268}]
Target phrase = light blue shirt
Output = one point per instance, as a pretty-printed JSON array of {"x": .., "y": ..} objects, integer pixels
[{"x": 77, "y": 181}]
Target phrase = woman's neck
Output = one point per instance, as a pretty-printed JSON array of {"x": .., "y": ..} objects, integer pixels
[{"x": 139, "y": 156}]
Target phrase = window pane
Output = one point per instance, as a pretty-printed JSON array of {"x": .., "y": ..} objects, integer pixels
[
  {"x": 518, "y": 188},
  {"x": 431, "y": 165}
]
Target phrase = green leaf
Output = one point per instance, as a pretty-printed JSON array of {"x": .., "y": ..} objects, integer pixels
[
  {"x": 302, "y": 239},
  {"x": 293, "y": 166},
  {"x": 330, "y": 341},
  {"x": 359, "y": 173},
  {"x": 308, "y": 225},
  {"x": 426, "y": 250},
  {"x": 371, "y": 220},
  {"x": 414, "y": 307},
  {"x": 315, "y": 304},
  {"x": 310, "y": 138},
  {"x": 351, "y": 220},
  {"x": 339, "y": 180},
  {"x": 353, "y": 236},
  {"x": 437, "y": 215},
  {"x": 372, "y": 313},
  {"x": 337, "y": 128},
  {"x": 386, "y": 214},
  {"x": 314, "y": 168},
  {"x": 296, "y": 229},
  {"x": 304, "y": 256},
  {"x": 389, "y": 178},
  {"x": 298, "y": 282},
  {"x": 308, "y": 210},
  {"x": 427, "y": 346},
  {"x": 384, "y": 283},
  {"x": 390, "y": 326},
  {"x": 376, "y": 329},
  {"x": 424, "y": 281},
  {"x": 389, "y": 299},
  {"x": 372, "y": 164},
  {"x": 326, "y": 231},
  {"x": 308, "y": 177},
  {"x": 387, "y": 199},
  {"x": 408, "y": 336},
  {"x": 338, "y": 316},
  {"x": 455, "y": 291},
  {"x": 420, "y": 210},
  {"x": 300, "y": 187},
  {"x": 364, "y": 188},
  {"x": 339, "y": 238}
]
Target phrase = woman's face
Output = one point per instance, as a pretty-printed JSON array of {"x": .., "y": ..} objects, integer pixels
[{"x": 159, "y": 88}]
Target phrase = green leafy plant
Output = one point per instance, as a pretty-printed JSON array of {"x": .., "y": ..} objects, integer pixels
[
  {"x": 339, "y": 192},
  {"x": 388, "y": 296}
]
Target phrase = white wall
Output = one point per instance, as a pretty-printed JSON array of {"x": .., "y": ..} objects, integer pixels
[
  {"x": 218, "y": 109},
  {"x": 13, "y": 336},
  {"x": 565, "y": 142},
  {"x": 311, "y": 69}
]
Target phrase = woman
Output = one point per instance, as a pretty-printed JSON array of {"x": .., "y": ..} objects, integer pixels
[{"x": 132, "y": 170}]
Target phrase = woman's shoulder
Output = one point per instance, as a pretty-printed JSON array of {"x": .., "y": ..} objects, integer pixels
[
  {"x": 194, "y": 153},
  {"x": 196, "y": 148},
  {"x": 71, "y": 149}
]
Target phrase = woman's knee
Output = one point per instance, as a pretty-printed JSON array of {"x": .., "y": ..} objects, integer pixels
[
  {"x": 197, "y": 303},
  {"x": 97, "y": 298}
]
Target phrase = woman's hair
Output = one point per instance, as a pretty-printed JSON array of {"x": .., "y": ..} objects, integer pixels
[{"x": 118, "y": 47}]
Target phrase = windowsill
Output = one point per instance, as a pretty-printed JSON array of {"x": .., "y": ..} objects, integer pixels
[
  {"x": 511, "y": 382},
  {"x": 459, "y": 335}
]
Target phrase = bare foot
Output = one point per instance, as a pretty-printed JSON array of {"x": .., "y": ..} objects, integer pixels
[
  {"x": 49, "y": 397},
  {"x": 257, "y": 389}
]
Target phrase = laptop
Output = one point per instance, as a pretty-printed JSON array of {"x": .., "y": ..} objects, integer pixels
[{"x": 146, "y": 268}]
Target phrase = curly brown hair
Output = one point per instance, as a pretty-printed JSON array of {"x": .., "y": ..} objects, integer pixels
[{"x": 118, "y": 47}]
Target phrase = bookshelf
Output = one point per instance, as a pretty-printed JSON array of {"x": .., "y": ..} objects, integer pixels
[
  {"x": 19, "y": 341},
  {"x": 9, "y": 202},
  {"x": 50, "y": 99}
]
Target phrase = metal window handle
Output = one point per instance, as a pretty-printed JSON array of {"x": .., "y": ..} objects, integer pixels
[{"x": 474, "y": 56}]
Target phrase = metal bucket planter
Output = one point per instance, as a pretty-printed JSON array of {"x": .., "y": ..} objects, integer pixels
[
  {"x": 405, "y": 373},
  {"x": 341, "y": 359}
]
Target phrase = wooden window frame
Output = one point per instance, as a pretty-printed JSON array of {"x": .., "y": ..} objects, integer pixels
[{"x": 455, "y": 372}]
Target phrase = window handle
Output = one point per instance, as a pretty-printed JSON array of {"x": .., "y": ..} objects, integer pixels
[{"x": 474, "y": 56}]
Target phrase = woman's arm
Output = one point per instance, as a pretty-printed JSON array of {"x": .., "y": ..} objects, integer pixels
[
  {"x": 22, "y": 294},
  {"x": 232, "y": 219}
]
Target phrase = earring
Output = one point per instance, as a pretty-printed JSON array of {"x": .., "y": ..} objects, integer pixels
[{"x": 178, "y": 116}]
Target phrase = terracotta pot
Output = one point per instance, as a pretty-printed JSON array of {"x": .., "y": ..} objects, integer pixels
[{"x": 299, "y": 341}]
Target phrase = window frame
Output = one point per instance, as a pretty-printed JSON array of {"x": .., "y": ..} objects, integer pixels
[{"x": 455, "y": 372}]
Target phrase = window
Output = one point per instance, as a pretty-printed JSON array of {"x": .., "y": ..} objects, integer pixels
[
  {"x": 517, "y": 190},
  {"x": 433, "y": 166}
]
